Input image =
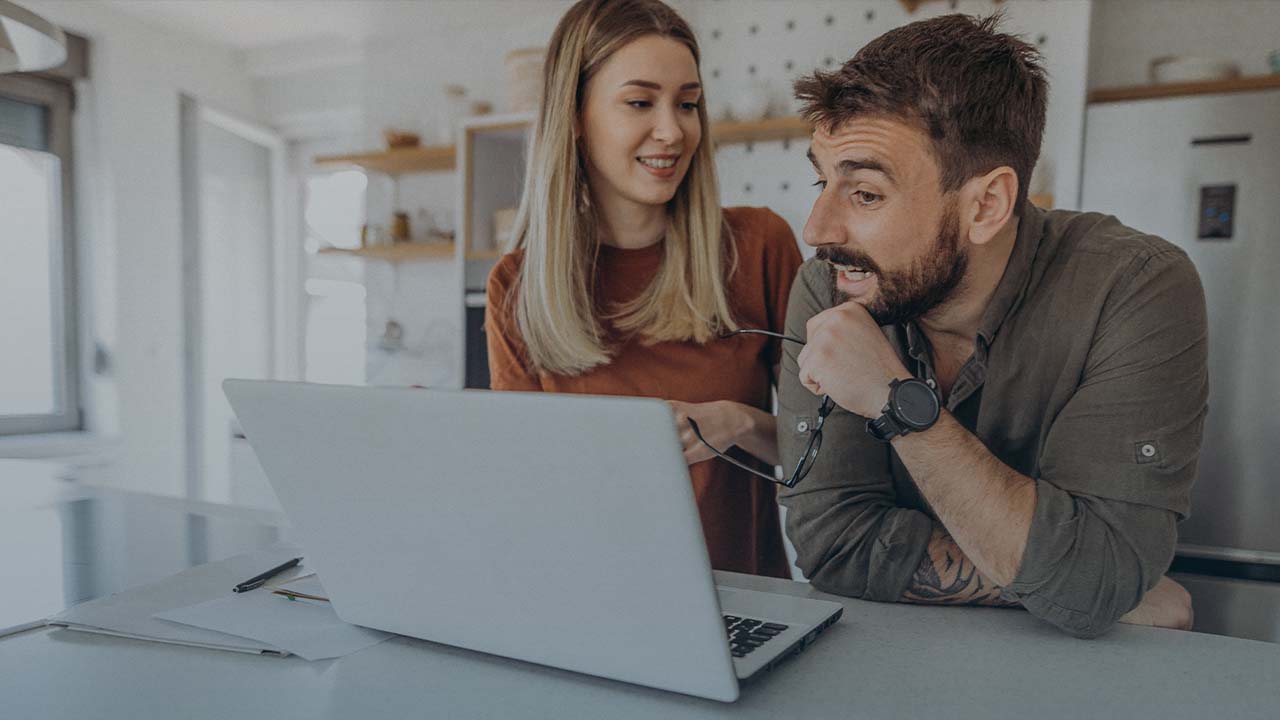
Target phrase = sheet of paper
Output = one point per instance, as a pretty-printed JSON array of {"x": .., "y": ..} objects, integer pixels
[
  {"x": 309, "y": 630},
  {"x": 131, "y": 612}
]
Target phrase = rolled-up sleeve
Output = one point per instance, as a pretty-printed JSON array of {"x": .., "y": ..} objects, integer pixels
[
  {"x": 1090, "y": 560},
  {"x": 1116, "y": 467},
  {"x": 850, "y": 536}
]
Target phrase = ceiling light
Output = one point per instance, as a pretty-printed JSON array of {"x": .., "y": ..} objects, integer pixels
[{"x": 27, "y": 41}]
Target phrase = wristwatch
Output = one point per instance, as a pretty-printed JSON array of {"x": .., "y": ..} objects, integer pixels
[{"x": 913, "y": 406}]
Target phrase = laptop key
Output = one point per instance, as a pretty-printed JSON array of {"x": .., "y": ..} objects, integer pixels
[
  {"x": 749, "y": 623},
  {"x": 773, "y": 626},
  {"x": 760, "y": 638}
]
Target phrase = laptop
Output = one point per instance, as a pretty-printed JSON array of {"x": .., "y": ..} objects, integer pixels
[{"x": 554, "y": 529}]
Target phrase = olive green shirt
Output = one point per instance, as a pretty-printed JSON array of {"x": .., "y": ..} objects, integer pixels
[{"x": 1088, "y": 376}]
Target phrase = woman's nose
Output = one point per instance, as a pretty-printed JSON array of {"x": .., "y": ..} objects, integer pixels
[{"x": 667, "y": 127}]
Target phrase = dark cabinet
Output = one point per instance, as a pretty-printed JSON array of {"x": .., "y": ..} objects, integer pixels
[{"x": 477, "y": 375}]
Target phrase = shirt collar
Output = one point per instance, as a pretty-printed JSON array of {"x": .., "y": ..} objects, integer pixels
[{"x": 1017, "y": 275}]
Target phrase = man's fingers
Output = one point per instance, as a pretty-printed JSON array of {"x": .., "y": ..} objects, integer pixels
[{"x": 809, "y": 383}]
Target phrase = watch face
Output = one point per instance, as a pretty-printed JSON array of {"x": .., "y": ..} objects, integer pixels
[{"x": 916, "y": 403}]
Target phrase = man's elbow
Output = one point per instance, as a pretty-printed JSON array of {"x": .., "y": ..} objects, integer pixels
[
  {"x": 1090, "y": 562},
  {"x": 1084, "y": 599}
]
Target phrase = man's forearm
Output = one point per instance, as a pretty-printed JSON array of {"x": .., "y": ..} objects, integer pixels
[
  {"x": 985, "y": 505},
  {"x": 946, "y": 576}
]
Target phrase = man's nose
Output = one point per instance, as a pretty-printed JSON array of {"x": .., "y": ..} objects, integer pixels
[{"x": 821, "y": 228}]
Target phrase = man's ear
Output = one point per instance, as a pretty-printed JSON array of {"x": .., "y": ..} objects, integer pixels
[{"x": 989, "y": 203}]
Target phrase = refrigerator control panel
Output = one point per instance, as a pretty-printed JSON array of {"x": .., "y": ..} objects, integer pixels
[{"x": 1217, "y": 212}]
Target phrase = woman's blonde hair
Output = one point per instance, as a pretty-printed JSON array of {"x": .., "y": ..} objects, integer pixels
[{"x": 558, "y": 227}]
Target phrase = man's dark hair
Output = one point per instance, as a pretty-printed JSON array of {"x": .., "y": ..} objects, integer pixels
[{"x": 978, "y": 94}]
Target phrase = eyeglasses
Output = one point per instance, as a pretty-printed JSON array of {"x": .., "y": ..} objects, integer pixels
[{"x": 805, "y": 464}]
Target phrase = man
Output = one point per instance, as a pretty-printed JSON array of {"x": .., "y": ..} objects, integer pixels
[{"x": 1047, "y": 370}]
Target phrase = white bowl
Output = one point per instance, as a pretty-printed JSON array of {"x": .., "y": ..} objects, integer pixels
[{"x": 1182, "y": 68}]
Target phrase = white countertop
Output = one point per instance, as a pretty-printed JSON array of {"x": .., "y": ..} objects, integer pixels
[{"x": 879, "y": 661}]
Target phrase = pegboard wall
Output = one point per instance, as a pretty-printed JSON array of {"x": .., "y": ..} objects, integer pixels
[{"x": 764, "y": 45}]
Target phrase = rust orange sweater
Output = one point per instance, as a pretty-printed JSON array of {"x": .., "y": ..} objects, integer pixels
[{"x": 739, "y": 511}]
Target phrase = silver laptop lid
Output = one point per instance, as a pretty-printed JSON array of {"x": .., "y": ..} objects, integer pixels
[{"x": 557, "y": 529}]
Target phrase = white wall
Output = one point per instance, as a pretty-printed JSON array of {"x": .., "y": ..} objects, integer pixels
[
  {"x": 1128, "y": 34},
  {"x": 403, "y": 87},
  {"x": 396, "y": 80},
  {"x": 130, "y": 220}
]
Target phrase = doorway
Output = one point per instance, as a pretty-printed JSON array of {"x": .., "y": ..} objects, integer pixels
[{"x": 240, "y": 273}]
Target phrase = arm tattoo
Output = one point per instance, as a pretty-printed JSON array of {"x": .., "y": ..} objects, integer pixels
[{"x": 946, "y": 577}]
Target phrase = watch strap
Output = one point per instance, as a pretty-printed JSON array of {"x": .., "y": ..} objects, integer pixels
[{"x": 884, "y": 428}]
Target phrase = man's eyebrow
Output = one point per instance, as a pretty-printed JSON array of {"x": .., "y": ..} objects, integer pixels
[
  {"x": 848, "y": 167},
  {"x": 655, "y": 86}
]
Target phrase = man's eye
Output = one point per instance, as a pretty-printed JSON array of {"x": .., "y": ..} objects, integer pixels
[{"x": 866, "y": 198}]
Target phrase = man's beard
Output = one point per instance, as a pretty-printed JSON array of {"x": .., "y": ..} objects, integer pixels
[{"x": 909, "y": 294}]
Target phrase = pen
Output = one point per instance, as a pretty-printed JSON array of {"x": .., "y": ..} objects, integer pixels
[{"x": 258, "y": 580}]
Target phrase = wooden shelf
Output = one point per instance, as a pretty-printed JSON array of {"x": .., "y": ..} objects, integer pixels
[
  {"x": 728, "y": 133},
  {"x": 1212, "y": 87},
  {"x": 443, "y": 158},
  {"x": 911, "y": 5},
  {"x": 485, "y": 254},
  {"x": 427, "y": 158},
  {"x": 399, "y": 252}
]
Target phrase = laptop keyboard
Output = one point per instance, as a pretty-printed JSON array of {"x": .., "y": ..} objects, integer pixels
[{"x": 747, "y": 634}]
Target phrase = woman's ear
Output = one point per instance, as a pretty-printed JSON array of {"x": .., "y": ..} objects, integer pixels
[{"x": 992, "y": 199}]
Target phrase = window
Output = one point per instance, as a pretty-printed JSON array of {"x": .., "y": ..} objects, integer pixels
[{"x": 39, "y": 389}]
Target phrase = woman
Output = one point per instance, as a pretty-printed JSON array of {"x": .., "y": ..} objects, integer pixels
[{"x": 627, "y": 271}]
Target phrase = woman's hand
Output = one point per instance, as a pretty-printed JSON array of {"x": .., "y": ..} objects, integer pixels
[
  {"x": 721, "y": 422},
  {"x": 726, "y": 424}
]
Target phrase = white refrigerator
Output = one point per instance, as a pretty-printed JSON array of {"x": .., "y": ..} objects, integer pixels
[{"x": 1203, "y": 172}]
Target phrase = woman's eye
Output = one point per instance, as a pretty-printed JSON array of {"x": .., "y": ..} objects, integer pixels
[
  {"x": 689, "y": 106},
  {"x": 821, "y": 184},
  {"x": 867, "y": 198},
  {"x": 638, "y": 103}
]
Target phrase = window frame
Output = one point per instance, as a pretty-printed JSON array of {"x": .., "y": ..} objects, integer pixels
[{"x": 59, "y": 99}]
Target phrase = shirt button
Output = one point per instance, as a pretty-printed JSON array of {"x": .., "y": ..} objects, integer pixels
[
  {"x": 1148, "y": 450},
  {"x": 931, "y": 383},
  {"x": 802, "y": 426}
]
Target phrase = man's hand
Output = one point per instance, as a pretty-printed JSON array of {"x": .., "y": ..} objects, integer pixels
[
  {"x": 721, "y": 422},
  {"x": 1166, "y": 605},
  {"x": 848, "y": 357}
]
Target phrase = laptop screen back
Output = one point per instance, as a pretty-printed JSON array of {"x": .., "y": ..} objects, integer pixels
[{"x": 556, "y": 529}]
